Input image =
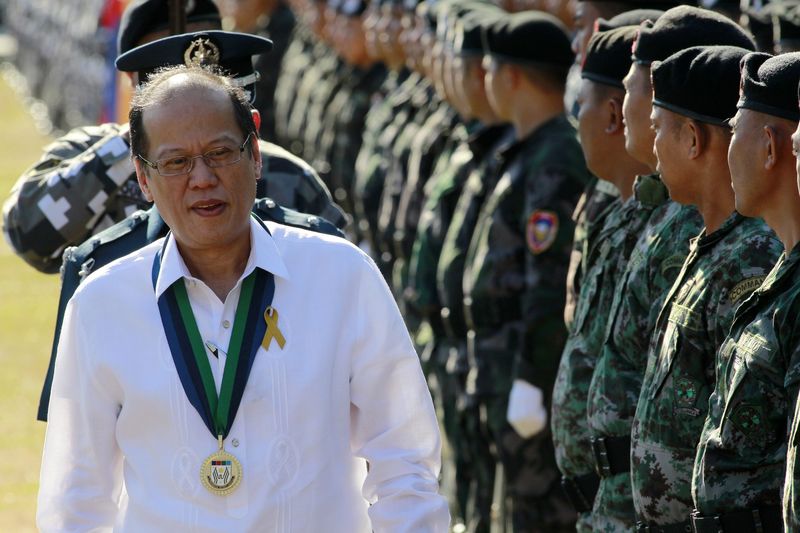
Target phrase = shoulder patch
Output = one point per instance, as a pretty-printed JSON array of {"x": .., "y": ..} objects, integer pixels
[
  {"x": 745, "y": 288},
  {"x": 541, "y": 230}
]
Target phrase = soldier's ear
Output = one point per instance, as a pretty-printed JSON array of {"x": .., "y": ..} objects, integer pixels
[
  {"x": 614, "y": 122},
  {"x": 770, "y": 144},
  {"x": 256, "y": 118},
  {"x": 141, "y": 177}
]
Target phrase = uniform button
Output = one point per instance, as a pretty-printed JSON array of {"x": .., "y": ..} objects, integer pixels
[
  {"x": 226, "y": 324},
  {"x": 235, "y": 443}
]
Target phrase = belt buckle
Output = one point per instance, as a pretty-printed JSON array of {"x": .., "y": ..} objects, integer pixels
[
  {"x": 641, "y": 527},
  {"x": 697, "y": 517},
  {"x": 601, "y": 464}
]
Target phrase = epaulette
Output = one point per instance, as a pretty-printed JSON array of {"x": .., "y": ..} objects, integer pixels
[{"x": 266, "y": 209}]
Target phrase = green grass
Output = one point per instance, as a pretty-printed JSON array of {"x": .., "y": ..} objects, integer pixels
[{"x": 27, "y": 313}]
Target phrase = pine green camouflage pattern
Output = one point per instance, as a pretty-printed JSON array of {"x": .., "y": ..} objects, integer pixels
[
  {"x": 590, "y": 210},
  {"x": 791, "y": 485},
  {"x": 614, "y": 389},
  {"x": 742, "y": 451},
  {"x": 613, "y": 242},
  {"x": 514, "y": 298},
  {"x": 296, "y": 62},
  {"x": 722, "y": 269}
]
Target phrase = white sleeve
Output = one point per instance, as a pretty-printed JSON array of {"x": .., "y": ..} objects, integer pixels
[
  {"x": 393, "y": 422},
  {"x": 81, "y": 475}
]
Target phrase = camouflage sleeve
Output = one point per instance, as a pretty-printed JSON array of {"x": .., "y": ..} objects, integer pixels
[
  {"x": 66, "y": 196},
  {"x": 551, "y": 196}
]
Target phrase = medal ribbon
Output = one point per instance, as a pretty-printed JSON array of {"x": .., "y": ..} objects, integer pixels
[{"x": 189, "y": 353}]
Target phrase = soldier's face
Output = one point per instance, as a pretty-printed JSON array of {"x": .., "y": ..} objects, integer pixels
[
  {"x": 209, "y": 208},
  {"x": 593, "y": 123},
  {"x": 746, "y": 158},
  {"x": 586, "y": 14},
  {"x": 668, "y": 147},
  {"x": 636, "y": 110}
]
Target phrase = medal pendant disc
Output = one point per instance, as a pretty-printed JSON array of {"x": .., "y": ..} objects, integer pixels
[{"x": 221, "y": 473}]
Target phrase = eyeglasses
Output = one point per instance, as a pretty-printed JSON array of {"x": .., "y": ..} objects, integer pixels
[{"x": 222, "y": 156}]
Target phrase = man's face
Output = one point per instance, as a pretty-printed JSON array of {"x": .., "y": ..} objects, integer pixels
[
  {"x": 746, "y": 161},
  {"x": 208, "y": 208},
  {"x": 670, "y": 157},
  {"x": 493, "y": 81},
  {"x": 585, "y": 15},
  {"x": 636, "y": 109},
  {"x": 593, "y": 120}
]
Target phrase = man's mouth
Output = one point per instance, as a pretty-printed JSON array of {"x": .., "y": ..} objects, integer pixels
[{"x": 207, "y": 208}]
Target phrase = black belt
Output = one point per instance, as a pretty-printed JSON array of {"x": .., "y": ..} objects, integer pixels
[
  {"x": 762, "y": 519},
  {"x": 683, "y": 527},
  {"x": 612, "y": 455},
  {"x": 581, "y": 490}
]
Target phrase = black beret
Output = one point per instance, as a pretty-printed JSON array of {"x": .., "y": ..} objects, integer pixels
[
  {"x": 681, "y": 82},
  {"x": 471, "y": 26},
  {"x": 147, "y": 16},
  {"x": 683, "y": 27},
  {"x": 661, "y": 5},
  {"x": 759, "y": 22},
  {"x": 228, "y": 50},
  {"x": 628, "y": 18},
  {"x": 608, "y": 56},
  {"x": 531, "y": 37},
  {"x": 769, "y": 84}
]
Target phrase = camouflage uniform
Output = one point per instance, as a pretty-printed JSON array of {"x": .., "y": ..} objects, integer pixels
[
  {"x": 296, "y": 63},
  {"x": 612, "y": 235},
  {"x": 342, "y": 140},
  {"x": 372, "y": 160},
  {"x": 449, "y": 286},
  {"x": 742, "y": 451},
  {"x": 514, "y": 298},
  {"x": 592, "y": 205},
  {"x": 278, "y": 28},
  {"x": 614, "y": 389},
  {"x": 423, "y": 103},
  {"x": 722, "y": 269},
  {"x": 332, "y": 73},
  {"x": 791, "y": 485},
  {"x": 85, "y": 182}
]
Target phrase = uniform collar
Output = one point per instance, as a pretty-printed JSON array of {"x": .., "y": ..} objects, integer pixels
[
  {"x": 707, "y": 240},
  {"x": 784, "y": 268},
  {"x": 264, "y": 254}
]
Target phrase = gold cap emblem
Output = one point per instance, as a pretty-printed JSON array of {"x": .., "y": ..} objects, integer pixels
[{"x": 201, "y": 52}]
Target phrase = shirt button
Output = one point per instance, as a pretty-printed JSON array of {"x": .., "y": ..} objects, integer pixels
[
  {"x": 235, "y": 443},
  {"x": 226, "y": 324}
]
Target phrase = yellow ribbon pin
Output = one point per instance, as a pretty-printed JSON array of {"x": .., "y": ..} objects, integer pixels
[{"x": 273, "y": 331}]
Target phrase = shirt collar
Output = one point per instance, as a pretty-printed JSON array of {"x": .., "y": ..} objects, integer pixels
[{"x": 264, "y": 254}]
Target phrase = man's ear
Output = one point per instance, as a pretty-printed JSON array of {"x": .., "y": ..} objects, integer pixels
[
  {"x": 141, "y": 177},
  {"x": 614, "y": 124},
  {"x": 770, "y": 142},
  {"x": 256, "y": 118},
  {"x": 695, "y": 138}
]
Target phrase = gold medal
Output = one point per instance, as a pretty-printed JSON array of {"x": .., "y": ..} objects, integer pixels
[{"x": 221, "y": 472}]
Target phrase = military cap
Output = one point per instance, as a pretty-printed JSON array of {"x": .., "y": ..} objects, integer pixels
[
  {"x": 628, "y": 18},
  {"x": 680, "y": 82},
  {"x": 685, "y": 26},
  {"x": 759, "y": 22},
  {"x": 147, "y": 16},
  {"x": 230, "y": 51},
  {"x": 353, "y": 8},
  {"x": 769, "y": 84},
  {"x": 470, "y": 27},
  {"x": 529, "y": 37},
  {"x": 608, "y": 56}
]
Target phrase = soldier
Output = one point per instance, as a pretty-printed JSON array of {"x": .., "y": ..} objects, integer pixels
[
  {"x": 653, "y": 266},
  {"x": 611, "y": 234},
  {"x": 739, "y": 466},
  {"x": 517, "y": 262},
  {"x": 727, "y": 261},
  {"x": 85, "y": 181}
]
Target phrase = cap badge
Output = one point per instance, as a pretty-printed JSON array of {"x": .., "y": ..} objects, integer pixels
[{"x": 201, "y": 52}]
